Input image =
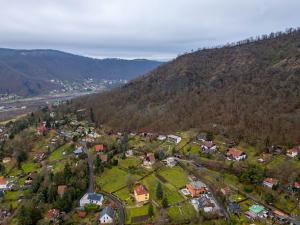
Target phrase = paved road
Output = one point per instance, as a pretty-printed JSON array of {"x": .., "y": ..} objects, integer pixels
[
  {"x": 91, "y": 188},
  {"x": 91, "y": 174}
]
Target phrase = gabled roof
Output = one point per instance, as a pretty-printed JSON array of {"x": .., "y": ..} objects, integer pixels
[
  {"x": 99, "y": 148},
  {"x": 61, "y": 189},
  {"x": 234, "y": 152},
  {"x": 107, "y": 211},
  {"x": 78, "y": 151},
  {"x": 3, "y": 181},
  {"x": 196, "y": 185},
  {"x": 94, "y": 196},
  {"x": 271, "y": 181},
  {"x": 141, "y": 189}
]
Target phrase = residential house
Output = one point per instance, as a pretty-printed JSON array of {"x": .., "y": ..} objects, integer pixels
[
  {"x": 161, "y": 137},
  {"x": 61, "y": 189},
  {"x": 107, "y": 215},
  {"x": 6, "y": 160},
  {"x": 99, "y": 148},
  {"x": 257, "y": 211},
  {"x": 103, "y": 157},
  {"x": 205, "y": 203},
  {"x": 82, "y": 214},
  {"x": 91, "y": 198},
  {"x": 270, "y": 182},
  {"x": 3, "y": 183},
  {"x": 41, "y": 129},
  {"x": 264, "y": 158},
  {"x": 171, "y": 161},
  {"x": 53, "y": 214},
  {"x": 208, "y": 147},
  {"x": 149, "y": 160},
  {"x": 40, "y": 156},
  {"x": 235, "y": 154},
  {"x": 129, "y": 153},
  {"x": 78, "y": 151},
  {"x": 196, "y": 188},
  {"x": 173, "y": 138},
  {"x": 226, "y": 191},
  {"x": 141, "y": 193},
  {"x": 29, "y": 179},
  {"x": 292, "y": 152}
]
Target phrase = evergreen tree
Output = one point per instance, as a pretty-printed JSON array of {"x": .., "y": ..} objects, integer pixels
[
  {"x": 159, "y": 191},
  {"x": 165, "y": 203},
  {"x": 150, "y": 210}
]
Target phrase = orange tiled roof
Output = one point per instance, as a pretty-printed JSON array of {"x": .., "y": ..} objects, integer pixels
[{"x": 141, "y": 189}]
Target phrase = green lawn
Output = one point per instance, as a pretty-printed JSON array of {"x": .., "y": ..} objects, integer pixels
[
  {"x": 175, "y": 176},
  {"x": 169, "y": 191},
  {"x": 30, "y": 167},
  {"x": 58, "y": 153},
  {"x": 112, "y": 179},
  {"x": 179, "y": 213},
  {"x": 130, "y": 161}
]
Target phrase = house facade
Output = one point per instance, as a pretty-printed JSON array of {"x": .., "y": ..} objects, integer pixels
[
  {"x": 173, "y": 138},
  {"x": 270, "y": 182},
  {"x": 107, "y": 215}
]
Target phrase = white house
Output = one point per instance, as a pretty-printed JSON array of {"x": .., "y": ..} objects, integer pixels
[
  {"x": 208, "y": 146},
  {"x": 161, "y": 138},
  {"x": 107, "y": 215},
  {"x": 173, "y": 138},
  {"x": 171, "y": 162},
  {"x": 91, "y": 198},
  {"x": 292, "y": 152}
]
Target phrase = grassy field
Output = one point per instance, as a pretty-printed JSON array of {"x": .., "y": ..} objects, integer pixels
[
  {"x": 175, "y": 176},
  {"x": 58, "y": 153},
  {"x": 30, "y": 167},
  {"x": 169, "y": 191},
  {"x": 130, "y": 161},
  {"x": 112, "y": 179},
  {"x": 134, "y": 212},
  {"x": 179, "y": 213}
]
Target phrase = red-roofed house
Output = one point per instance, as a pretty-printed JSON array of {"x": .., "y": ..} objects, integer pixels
[
  {"x": 270, "y": 182},
  {"x": 53, "y": 214},
  {"x": 61, "y": 189},
  {"x": 235, "y": 154},
  {"x": 41, "y": 129},
  {"x": 103, "y": 157},
  {"x": 196, "y": 188},
  {"x": 99, "y": 148},
  {"x": 292, "y": 152},
  {"x": 141, "y": 193},
  {"x": 3, "y": 183}
]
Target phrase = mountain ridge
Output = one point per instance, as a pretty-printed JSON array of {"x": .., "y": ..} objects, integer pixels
[{"x": 38, "y": 67}]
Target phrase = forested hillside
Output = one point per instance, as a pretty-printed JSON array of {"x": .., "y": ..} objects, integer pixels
[
  {"x": 251, "y": 89},
  {"x": 28, "y": 72}
]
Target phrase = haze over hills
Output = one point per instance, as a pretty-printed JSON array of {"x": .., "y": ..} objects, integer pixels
[
  {"x": 28, "y": 72},
  {"x": 249, "y": 89}
]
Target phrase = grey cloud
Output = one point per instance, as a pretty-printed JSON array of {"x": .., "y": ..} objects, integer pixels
[{"x": 139, "y": 28}]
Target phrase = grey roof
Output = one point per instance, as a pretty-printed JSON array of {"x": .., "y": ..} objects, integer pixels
[
  {"x": 109, "y": 211},
  {"x": 94, "y": 197},
  {"x": 197, "y": 184},
  {"x": 78, "y": 151}
]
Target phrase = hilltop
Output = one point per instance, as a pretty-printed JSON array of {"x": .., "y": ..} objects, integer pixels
[{"x": 249, "y": 89}]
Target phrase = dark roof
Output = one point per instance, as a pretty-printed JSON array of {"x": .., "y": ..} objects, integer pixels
[
  {"x": 94, "y": 197},
  {"x": 109, "y": 211}
]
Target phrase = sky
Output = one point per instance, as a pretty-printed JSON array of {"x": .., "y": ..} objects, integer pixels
[{"x": 153, "y": 29}]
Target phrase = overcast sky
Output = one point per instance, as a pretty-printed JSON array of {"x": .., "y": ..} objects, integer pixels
[{"x": 156, "y": 29}]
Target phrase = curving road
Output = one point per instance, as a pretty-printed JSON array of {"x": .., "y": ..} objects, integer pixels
[{"x": 117, "y": 201}]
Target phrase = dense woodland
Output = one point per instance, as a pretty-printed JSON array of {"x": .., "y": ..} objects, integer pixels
[{"x": 249, "y": 89}]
